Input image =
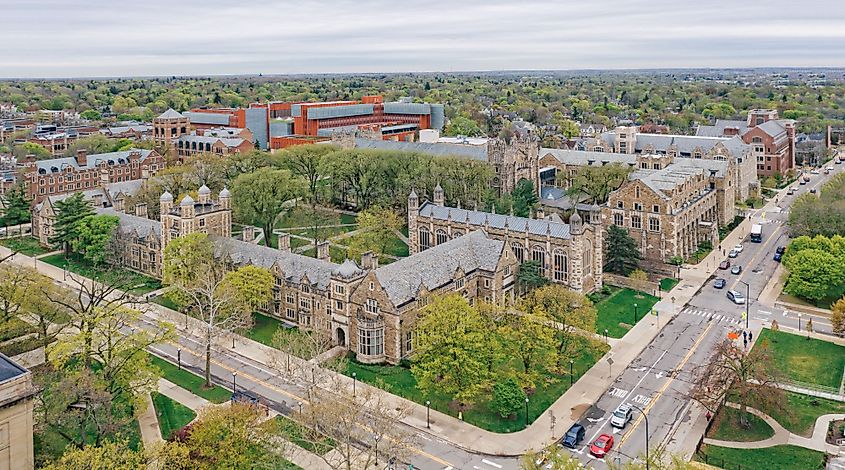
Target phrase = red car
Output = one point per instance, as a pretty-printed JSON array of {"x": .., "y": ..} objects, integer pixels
[{"x": 602, "y": 445}]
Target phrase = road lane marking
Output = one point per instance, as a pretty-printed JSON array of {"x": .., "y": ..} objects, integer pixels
[
  {"x": 665, "y": 386},
  {"x": 492, "y": 464},
  {"x": 618, "y": 392}
]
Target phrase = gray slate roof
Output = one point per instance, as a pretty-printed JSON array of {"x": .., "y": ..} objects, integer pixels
[
  {"x": 773, "y": 128},
  {"x": 436, "y": 266},
  {"x": 718, "y": 130},
  {"x": 171, "y": 114},
  {"x": 129, "y": 188},
  {"x": 130, "y": 223},
  {"x": 584, "y": 157},
  {"x": 92, "y": 160},
  {"x": 481, "y": 219},
  {"x": 473, "y": 152},
  {"x": 204, "y": 139},
  {"x": 293, "y": 266}
]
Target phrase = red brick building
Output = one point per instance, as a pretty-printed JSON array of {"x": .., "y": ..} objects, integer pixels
[{"x": 71, "y": 174}]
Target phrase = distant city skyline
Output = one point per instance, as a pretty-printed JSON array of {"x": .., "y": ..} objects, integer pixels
[{"x": 97, "y": 38}]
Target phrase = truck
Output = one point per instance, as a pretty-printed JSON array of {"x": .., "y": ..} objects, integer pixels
[{"x": 756, "y": 233}]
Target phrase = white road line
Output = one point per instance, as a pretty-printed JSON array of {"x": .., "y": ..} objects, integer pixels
[
  {"x": 764, "y": 312},
  {"x": 492, "y": 464}
]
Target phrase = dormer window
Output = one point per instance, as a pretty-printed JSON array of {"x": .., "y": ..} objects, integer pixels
[{"x": 459, "y": 283}]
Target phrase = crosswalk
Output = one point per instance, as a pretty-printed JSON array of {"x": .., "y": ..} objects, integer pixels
[{"x": 705, "y": 314}]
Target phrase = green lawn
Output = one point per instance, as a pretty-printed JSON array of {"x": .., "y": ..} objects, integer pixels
[
  {"x": 811, "y": 361},
  {"x": 783, "y": 457},
  {"x": 399, "y": 381},
  {"x": 190, "y": 381},
  {"x": 726, "y": 427},
  {"x": 303, "y": 216},
  {"x": 618, "y": 308},
  {"x": 165, "y": 301},
  {"x": 668, "y": 283},
  {"x": 14, "y": 328},
  {"x": 263, "y": 329},
  {"x": 172, "y": 415},
  {"x": 134, "y": 282},
  {"x": 29, "y": 246},
  {"x": 801, "y": 411},
  {"x": 20, "y": 347},
  {"x": 304, "y": 437}
]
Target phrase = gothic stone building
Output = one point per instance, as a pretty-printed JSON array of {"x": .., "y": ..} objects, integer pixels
[
  {"x": 568, "y": 254},
  {"x": 370, "y": 309},
  {"x": 668, "y": 205}
]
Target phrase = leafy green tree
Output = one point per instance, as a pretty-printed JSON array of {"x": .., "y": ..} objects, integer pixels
[
  {"x": 529, "y": 337},
  {"x": 622, "y": 254},
  {"x": 260, "y": 196},
  {"x": 508, "y": 397},
  {"x": 597, "y": 182},
  {"x": 69, "y": 212},
  {"x": 377, "y": 228},
  {"x": 111, "y": 455},
  {"x": 571, "y": 312},
  {"x": 569, "y": 129},
  {"x": 91, "y": 115},
  {"x": 812, "y": 273},
  {"x": 93, "y": 235},
  {"x": 451, "y": 348},
  {"x": 17, "y": 207},
  {"x": 529, "y": 277},
  {"x": 525, "y": 199},
  {"x": 837, "y": 317},
  {"x": 462, "y": 125},
  {"x": 305, "y": 161},
  {"x": 30, "y": 148}
]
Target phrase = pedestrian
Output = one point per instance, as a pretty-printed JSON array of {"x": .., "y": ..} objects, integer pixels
[
  {"x": 744, "y": 336},
  {"x": 744, "y": 343},
  {"x": 750, "y": 335}
]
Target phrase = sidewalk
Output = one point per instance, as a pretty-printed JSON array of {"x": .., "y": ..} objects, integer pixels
[
  {"x": 181, "y": 395},
  {"x": 148, "y": 422}
]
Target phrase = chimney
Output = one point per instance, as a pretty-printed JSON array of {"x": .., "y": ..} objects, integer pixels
[
  {"x": 82, "y": 157},
  {"x": 541, "y": 214},
  {"x": 141, "y": 210},
  {"x": 284, "y": 242},
  {"x": 248, "y": 233},
  {"x": 369, "y": 260},
  {"x": 98, "y": 200},
  {"x": 323, "y": 250}
]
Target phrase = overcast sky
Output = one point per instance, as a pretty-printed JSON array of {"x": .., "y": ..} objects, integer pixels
[{"x": 72, "y": 38}]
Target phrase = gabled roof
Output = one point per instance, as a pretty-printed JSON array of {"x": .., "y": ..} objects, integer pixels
[
  {"x": 293, "y": 266},
  {"x": 111, "y": 158},
  {"x": 204, "y": 139},
  {"x": 482, "y": 219},
  {"x": 171, "y": 114},
  {"x": 584, "y": 157},
  {"x": 772, "y": 128},
  {"x": 436, "y": 266},
  {"x": 129, "y": 223}
]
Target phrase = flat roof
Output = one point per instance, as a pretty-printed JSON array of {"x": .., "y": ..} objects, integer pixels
[{"x": 9, "y": 369}]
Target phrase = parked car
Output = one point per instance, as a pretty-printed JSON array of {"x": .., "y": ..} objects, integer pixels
[
  {"x": 830, "y": 168},
  {"x": 736, "y": 297},
  {"x": 736, "y": 269},
  {"x": 733, "y": 254},
  {"x": 738, "y": 248},
  {"x": 790, "y": 191},
  {"x": 827, "y": 172},
  {"x": 719, "y": 283},
  {"x": 725, "y": 264},
  {"x": 574, "y": 436},
  {"x": 601, "y": 446},
  {"x": 777, "y": 257},
  {"x": 813, "y": 191},
  {"x": 814, "y": 172},
  {"x": 802, "y": 182},
  {"x": 780, "y": 250},
  {"x": 621, "y": 416}
]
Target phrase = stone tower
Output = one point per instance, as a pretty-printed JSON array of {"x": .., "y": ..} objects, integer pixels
[
  {"x": 598, "y": 249},
  {"x": 169, "y": 126},
  {"x": 576, "y": 228},
  {"x": 204, "y": 215},
  {"x": 413, "y": 213},
  {"x": 439, "y": 197}
]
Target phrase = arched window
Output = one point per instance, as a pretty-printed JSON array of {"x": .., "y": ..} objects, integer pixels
[
  {"x": 518, "y": 250},
  {"x": 588, "y": 258},
  {"x": 457, "y": 233},
  {"x": 538, "y": 254},
  {"x": 561, "y": 266},
  {"x": 441, "y": 236},
  {"x": 425, "y": 239}
]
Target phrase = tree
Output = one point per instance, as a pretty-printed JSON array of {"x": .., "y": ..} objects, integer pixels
[
  {"x": 571, "y": 313},
  {"x": 597, "y": 182},
  {"x": 91, "y": 115},
  {"x": 260, "y": 196},
  {"x": 812, "y": 273},
  {"x": 307, "y": 162},
  {"x": 16, "y": 290},
  {"x": 569, "y": 129},
  {"x": 622, "y": 254},
  {"x": 750, "y": 378},
  {"x": 638, "y": 275},
  {"x": 222, "y": 300},
  {"x": 528, "y": 276},
  {"x": 508, "y": 397},
  {"x": 451, "y": 349},
  {"x": 837, "y": 317},
  {"x": 68, "y": 213},
  {"x": 529, "y": 336},
  {"x": 17, "y": 207},
  {"x": 463, "y": 126},
  {"x": 377, "y": 228},
  {"x": 93, "y": 234},
  {"x": 30, "y": 148},
  {"x": 525, "y": 199},
  {"x": 110, "y": 455}
]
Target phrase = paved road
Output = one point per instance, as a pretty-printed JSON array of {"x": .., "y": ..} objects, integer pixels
[{"x": 659, "y": 380}]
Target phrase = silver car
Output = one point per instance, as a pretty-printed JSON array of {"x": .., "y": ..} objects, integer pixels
[
  {"x": 736, "y": 297},
  {"x": 621, "y": 416}
]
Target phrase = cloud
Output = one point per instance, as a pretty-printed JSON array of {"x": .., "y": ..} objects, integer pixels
[{"x": 62, "y": 38}]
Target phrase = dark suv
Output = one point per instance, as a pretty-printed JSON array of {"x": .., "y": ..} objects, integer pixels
[{"x": 573, "y": 436}]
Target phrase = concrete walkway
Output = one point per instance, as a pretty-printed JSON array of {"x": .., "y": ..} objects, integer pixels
[
  {"x": 782, "y": 436},
  {"x": 148, "y": 422},
  {"x": 181, "y": 395}
]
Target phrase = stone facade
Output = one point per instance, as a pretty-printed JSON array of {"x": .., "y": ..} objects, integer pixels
[
  {"x": 16, "y": 408},
  {"x": 568, "y": 254},
  {"x": 169, "y": 126},
  {"x": 204, "y": 215}
]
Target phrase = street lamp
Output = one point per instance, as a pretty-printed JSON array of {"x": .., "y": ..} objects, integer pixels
[
  {"x": 179, "y": 358},
  {"x": 526, "y": 412},
  {"x": 605, "y": 336},
  {"x": 300, "y": 408},
  {"x": 635, "y": 314},
  {"x": 428, "y": 414},
  {"x": 376, "y": 438},
  {"x": 799, "y": 322},
  {"x": 646, "y": 434},
  {"x": 571, "y": 363},
  {"x": 354, "y": 384},
  {"x": 234, "y": 382},
  {"x": 747, "y": 301}
]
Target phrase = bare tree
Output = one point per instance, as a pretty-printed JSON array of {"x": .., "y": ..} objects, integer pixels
[{"x": 749, "y": 378}]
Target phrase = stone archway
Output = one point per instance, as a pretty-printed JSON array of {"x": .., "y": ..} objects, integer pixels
[{"x": 341, "y": 337}]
